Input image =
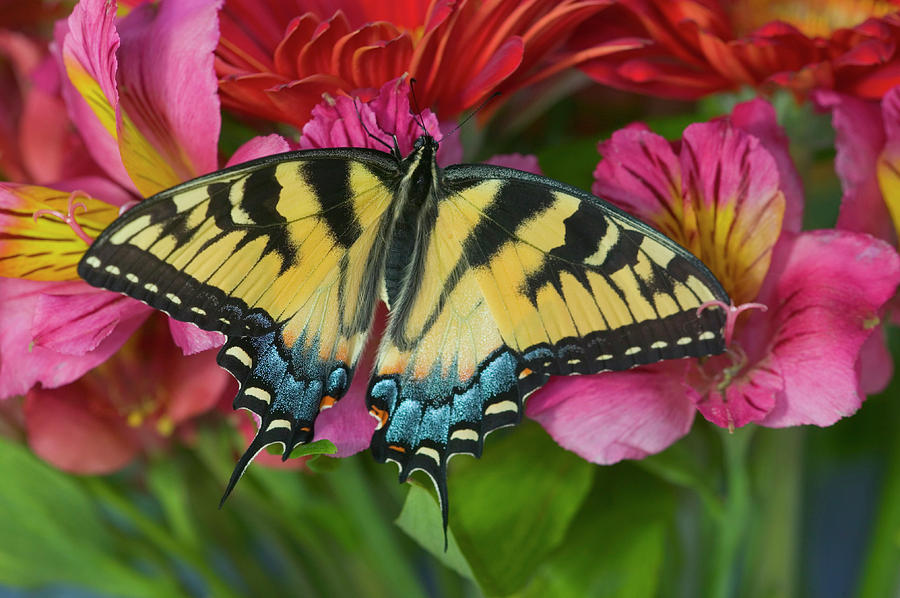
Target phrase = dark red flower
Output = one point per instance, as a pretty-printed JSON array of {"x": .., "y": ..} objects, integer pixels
[
  {"x": 275, "y": 59},
  {"x": 689, "y": 48},
  {"x": 136, "y": 401}
]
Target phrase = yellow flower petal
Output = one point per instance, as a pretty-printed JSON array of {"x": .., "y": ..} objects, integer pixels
[
  {"x": 46, "y": 247},
  {"x": 889, "y": 182}
]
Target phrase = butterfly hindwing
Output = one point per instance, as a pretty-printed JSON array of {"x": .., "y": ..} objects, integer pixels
[
  {"x": 444, "y": 377},
  {"x": 279, "y": 254}
]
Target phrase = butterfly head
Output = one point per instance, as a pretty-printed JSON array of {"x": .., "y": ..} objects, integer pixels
[{"x": 420, "y": 168}]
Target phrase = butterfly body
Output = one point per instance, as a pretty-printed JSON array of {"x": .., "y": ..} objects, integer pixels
[{"x": 495, "y": 279}]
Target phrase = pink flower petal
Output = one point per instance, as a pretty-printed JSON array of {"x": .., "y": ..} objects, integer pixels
[
  {"x": 100, "y": 187},
  {"x": 747, "y": 398},
  {"x": 22, "y": 363},
  {"x": 71, "y": 437},
  {"x": 345, "y": 122},
  {"x": 88, "y": 42},
  {"x": 196, "y": 384},
  {"x": 259, "y": 147},
  {"x": 758, "y": 118},
  {"x": 639, "y": 172},
  {"x": 825, "y": 305},
  {"x": 76, "y": 323},
  {"x": 168, "y": 90},
  {"x": 618, "y": 415},
  {"x": 859, "y": 139},
  {"x": 875, "y": 366},
  {"x": 890, "y": 109},
  {"x": 528, "y": 163},
  {"x": 348, "y": 424},
  {"x": 191, "y": 339}
]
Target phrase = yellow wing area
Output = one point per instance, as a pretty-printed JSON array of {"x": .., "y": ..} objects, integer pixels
[
  {"x": 598, "y": 289},
  {"x": 256, "y": 244}
]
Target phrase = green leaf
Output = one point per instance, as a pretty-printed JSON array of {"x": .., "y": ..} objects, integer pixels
[
  {"x": 421, "y": 519},
  {"x": 319, "y": 447},
  {"x": 616, "y": 544},
  {"x": 53, "y": 534},
  {"x": 168, "y": 486},
  {"x": 509, "y": 510}
]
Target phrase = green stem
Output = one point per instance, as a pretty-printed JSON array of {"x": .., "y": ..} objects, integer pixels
[
  {"x": 881, "y": 568},
  {"x": 731, "y": 526},
  {"x": 774, "y": 538},
  {"x": 159, "y": 536}
]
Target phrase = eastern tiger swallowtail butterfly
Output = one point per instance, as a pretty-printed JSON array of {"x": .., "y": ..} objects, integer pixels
[{"x": 494, "y": 279}]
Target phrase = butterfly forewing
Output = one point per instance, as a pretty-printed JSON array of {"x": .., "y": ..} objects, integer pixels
[{"x": 578, "y": 283}]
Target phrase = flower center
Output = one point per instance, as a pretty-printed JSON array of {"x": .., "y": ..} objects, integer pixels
[{"x": 815, "y": 18}]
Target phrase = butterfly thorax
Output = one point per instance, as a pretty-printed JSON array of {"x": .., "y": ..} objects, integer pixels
[{"x": 412, "y": 218}]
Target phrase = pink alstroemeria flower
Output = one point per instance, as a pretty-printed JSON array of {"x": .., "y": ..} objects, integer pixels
[
  {"x": 729, "y": 193},
  {"x": 141, "y": 92},
  {"x": 867, "y": 140}
]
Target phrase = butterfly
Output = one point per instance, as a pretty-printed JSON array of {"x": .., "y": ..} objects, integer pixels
[{"x": 494, "y": 279}]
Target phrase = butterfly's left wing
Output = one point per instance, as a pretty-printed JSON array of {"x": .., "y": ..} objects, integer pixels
[
  {"x": 282, "y": 255},
  {"x": 523, "y": 278}
]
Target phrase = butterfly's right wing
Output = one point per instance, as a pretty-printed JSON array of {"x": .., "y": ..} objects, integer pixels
[{"x": 282, "y": 255}]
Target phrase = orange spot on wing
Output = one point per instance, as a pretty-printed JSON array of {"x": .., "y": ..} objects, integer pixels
[
  {"x": 289, "y": 338},
  {"x": 525, "y": 373},
  {"x": 327, "y": 402},
  {"x": 380, "y": 414},
  {"x": 397, "y": 448}
]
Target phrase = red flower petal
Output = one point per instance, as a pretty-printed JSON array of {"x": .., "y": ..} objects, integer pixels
[{"x": 65, "y": 432}]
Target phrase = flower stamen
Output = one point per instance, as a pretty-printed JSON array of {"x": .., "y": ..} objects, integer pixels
[
  {"x": 731, "y": 314},
  {"x": 69, "y": 216}
]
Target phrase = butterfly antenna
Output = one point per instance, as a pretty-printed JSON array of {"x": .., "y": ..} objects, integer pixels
[
  {"x": 418, "y": 115},
  {"x": 391, "y": 150},
  {"x": 473, "y": 113}
]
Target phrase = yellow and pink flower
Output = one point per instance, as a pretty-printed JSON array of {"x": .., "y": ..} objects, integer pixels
[{"x": 729, "y": 192}]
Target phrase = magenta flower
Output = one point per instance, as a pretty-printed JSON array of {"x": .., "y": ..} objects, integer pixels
[
  {"x": 729, "y": 193},
  {"x": 141, "y": 94},
  {"x": 73, "y": 326}
]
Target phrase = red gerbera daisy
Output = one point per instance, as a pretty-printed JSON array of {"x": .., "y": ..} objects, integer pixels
[{"x": 275, "y": 59}]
